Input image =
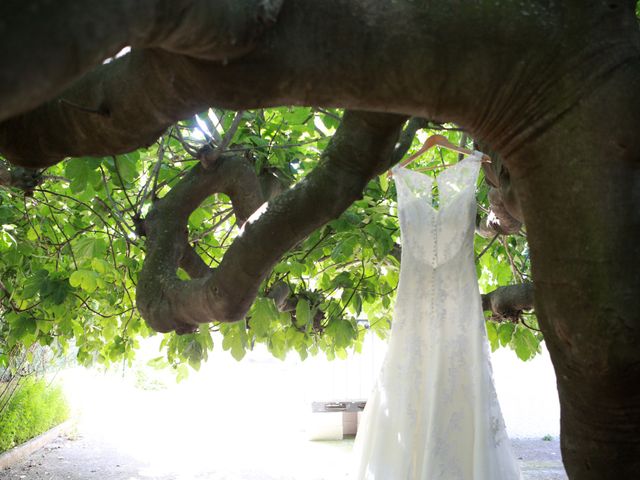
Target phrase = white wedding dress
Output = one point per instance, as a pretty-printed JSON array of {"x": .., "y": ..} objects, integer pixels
[{"x": 434, "y": 414}]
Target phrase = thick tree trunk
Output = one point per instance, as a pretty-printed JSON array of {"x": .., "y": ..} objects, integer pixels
[
  {"x": 46, "y": 45},
  {"x": 579, "y": 185},
  {"x": 553, "y": 87},
  {"x": 494, "y": 70}
]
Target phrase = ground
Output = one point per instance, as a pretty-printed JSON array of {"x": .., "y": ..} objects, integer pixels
[
  {"x": 245, "y": 421},
  {"x": 90, "y": 456}
]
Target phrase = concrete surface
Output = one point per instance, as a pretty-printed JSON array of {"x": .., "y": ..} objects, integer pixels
[
  {"x": 17, "y": 454},
  {"x": 92, "y": 457},
  {"x": 248, "y": 420}
]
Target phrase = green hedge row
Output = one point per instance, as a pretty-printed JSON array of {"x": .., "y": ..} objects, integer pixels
[{"x": 34, "y": 408}]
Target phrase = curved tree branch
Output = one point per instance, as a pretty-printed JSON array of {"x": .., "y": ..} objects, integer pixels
[
  {"x": 505, "y": 216},
  {"x": 499, "y": 220},
  {"x": 301, "y": 60},
  {"x": 25, "y": 179},
  {"x": 359, "y": 150},
  {"x": 509, "y": 301},
  {"x": 44, "y": 45}
]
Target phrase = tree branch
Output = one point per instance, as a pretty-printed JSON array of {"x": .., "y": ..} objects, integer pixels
[
  {"x": 509, "y": 301},
  {"x": 44, "y": 46},
  {"x": 505, "y": 217},
  {"x": 499, "y": 221},
  {"x": 25, "y": 179},
  {"x": 359, "y": 150},
  {"x": 301, "y": 60}
]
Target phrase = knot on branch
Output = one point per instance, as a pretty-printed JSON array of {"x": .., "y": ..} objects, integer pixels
[
  {"x": 505, "y": 217},
  {"x": 25, "y": 179},
  {"x": 160, "y": 294},
  {"x": 286, "y": 301},
  {"x": 508, "y": 302},
  {"x": 499, "y": 220}
]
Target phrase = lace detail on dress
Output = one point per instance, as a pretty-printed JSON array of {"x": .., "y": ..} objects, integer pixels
[{"x": 434, "y": 414}]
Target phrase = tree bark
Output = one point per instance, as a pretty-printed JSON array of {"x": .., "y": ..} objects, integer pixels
[
  {"x": 464, "y": 65},
  {"x": 579, "y": 186},
  {"x": 509, "y": 301},
  {"x": 45, "y": 45},
  {"x": 553, "y": 87},
  {"x": 360, "y": 149}
]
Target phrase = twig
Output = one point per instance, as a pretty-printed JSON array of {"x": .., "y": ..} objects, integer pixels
[
  {"x": 124, "y": 190},
  {"x": 487, "y": 247},
  {"x": 529, "y": 326},
  {"x": 514, "y": 268},
  {"x": 226, "y": 140},
  {"x": 86, "y": 305}
]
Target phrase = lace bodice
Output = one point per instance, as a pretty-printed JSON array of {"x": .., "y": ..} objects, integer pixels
[{"x": 437, "y": 234}]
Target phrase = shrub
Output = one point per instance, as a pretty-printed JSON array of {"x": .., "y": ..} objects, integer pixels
[{"x": 34, "y": 408}]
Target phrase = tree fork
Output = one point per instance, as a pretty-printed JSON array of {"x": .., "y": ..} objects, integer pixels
[{"x": 360, "y": 149}]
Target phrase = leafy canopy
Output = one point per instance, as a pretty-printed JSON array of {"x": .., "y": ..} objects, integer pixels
[{"x": 70, "y": 253}]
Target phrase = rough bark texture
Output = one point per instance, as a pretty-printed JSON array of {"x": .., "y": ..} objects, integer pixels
[
  {"x": 50, "y": 44},
  {"x": 360, "y": 149},
  {"x": 509, "y": 301},
  {"x": 505, "y": 215},
  {"x": 404, "y": 65},
  {"x": 552, "y": 87},
  {"x": 579, "y": 187}
]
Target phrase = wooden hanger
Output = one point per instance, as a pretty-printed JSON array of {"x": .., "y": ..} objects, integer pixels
[{"x": 440, "y": 141}]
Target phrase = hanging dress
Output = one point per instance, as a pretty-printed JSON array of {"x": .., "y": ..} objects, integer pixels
[{"x": 434, "y": 414}]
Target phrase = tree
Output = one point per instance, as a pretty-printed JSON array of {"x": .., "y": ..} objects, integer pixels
[{"x": 548, "y": 87}]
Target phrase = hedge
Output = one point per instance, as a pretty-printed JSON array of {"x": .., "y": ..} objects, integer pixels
[{"x": 34, "y": 408}]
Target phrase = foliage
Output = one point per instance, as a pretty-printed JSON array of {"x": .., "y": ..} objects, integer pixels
[
  {"x": 71, "y": 252},
  {"x": 34, "y": 408}
]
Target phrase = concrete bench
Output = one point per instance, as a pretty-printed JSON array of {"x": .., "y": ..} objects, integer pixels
[{"x": 334, "y": 420}]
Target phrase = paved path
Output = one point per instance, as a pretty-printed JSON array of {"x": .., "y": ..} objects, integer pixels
[
  {"x": 211, "y": 429},
  {"x": 91, "y": 457}
]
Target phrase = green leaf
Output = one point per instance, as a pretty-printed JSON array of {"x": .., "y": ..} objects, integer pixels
[
  {"x": 55, "y": 291},
  {"x": 197, "y": 218},
  {"x": 384, "y": 182},
  {"x": 127, "y": 166},
  {"x": 158, "y": 362},
  {"x": 109, "y": 331},
  {"x": 88, "y": 248},
  {"x": 525, "y": 343},
  {"x": 505, "y": 332},
  {"x": 100, "y": 266},
  {"x": 23, "y": 328},
  {"x": 192, "y": 350},
  {"x": 296, "y": 268},
  {"x": 82, "y": 173},
  {"x": 77, "y": 170},
  {"x": 262, "y": 314},
  {"x": 183, "y": 373},
  {"x": 235, "y": 340},
  {"x": 278, "y": 345},
  {"x": 33, "y": 283},
  {"x": 297, "y": 115},
  {"x": 238, "y": 351},
  {"x": 303, "y": 312},
  {"x": 85, "y": 279},
  {"x": 342, "y": 332},
  {"x": 492, "y": 335}
]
